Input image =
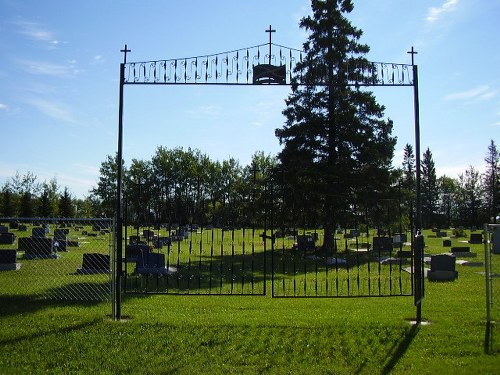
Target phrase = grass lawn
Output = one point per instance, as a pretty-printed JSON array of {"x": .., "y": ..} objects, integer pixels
[{"x": 175, "y": 334}]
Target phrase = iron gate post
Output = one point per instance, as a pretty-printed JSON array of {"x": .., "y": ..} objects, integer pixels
[
  {"x": 119, "y": 216},
  {"x": 419, "y": 243}
]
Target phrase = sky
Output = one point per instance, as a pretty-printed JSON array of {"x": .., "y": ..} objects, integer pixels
[{"x": 59, "y": 80}]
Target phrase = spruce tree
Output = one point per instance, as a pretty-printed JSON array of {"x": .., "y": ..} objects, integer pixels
[
  {"x": 429, "y": 189},
  {"x": 337, "y": 148}
]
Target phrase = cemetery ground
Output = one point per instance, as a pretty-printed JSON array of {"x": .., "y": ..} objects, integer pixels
[{"x": 255, "y": 334}]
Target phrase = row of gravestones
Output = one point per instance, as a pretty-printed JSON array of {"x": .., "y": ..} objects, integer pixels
[
  {"x": 40, "y": 246},
  {"x": 443, "y": 265}
]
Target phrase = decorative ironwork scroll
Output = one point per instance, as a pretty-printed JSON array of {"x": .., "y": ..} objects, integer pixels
[{"x": 258, "y": 65}]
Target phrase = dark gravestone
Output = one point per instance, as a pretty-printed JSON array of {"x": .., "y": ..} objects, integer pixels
[
  {"x": 133, "y": 252},
  {"x": 495, "y": 238},
  {"x": 476, "y": 238},
  {"x": 305, "y": 242},
  {"x": 22, "y": 228},
  {"x": 354, "y": 232},
  {"x": 134, "y": 239},
  {"x": 382, "y": 244},
  {"x": 404, "y": 254},
  {"x": 3, "y": 229},
  {"x": 148, "y": 234},
  {"x": 14, "y": 225},
  {"x": 152, "y": 263},
  {"x": 8, "y": 260},
  {"x": 38, "y": 232},
  {"x": 95, "y": 263},
  {"x": 442, "y": 268},
  {"x": 442, "y": 234},
  {"x": 99, "y": 226},
  {"x": 7, "y": 238},
  {"x": 402, "y": 237},
  {"x": 60, "y": 240},
  {"x": 446, "y": 243},
  {"x": 462, "y": 251},
  {"x": 37, "y": 247}
]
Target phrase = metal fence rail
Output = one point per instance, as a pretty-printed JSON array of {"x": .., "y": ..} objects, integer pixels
[{"x": 56, "y": 258}]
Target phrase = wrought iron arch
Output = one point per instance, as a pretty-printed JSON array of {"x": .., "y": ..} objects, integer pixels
[{"x": 265, "y": 64}]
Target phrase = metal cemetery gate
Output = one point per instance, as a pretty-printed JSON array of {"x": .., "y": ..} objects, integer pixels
[
  {"x": 246, "y": 259},
  {"x": 250, "y": 254}
]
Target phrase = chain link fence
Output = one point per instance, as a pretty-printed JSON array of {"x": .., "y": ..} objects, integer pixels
[
  {"x": 492, "y": 276},
  {"x": 56, "y": 258}
]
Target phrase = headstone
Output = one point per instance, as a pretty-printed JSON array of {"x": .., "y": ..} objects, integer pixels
[
  {"x": 446, "y": 243},
  {"x": 462, "y": 251},
  {"x": 7, "y": 238},
  {"x": 133, "y": 252},
  {"x": 134, "y": 239},
  {"x": 354, "y": 232},
  {"x": 153, "y": 263},
  {"x": 404, "y": 254},
  {"x": 382, "y": 244},
  {"x": 495, "y": 238},
  {"x": 38, "y": 232},
  {"x": 8, "y": 260},
  {"x": 305, "y": 242},
  {"x": 46, "y": 227},
  {"x": 442, "y": 234},
  {"x": 442, "y": 268},
  {"x": 14, "y": 225},
  {"x": 3, "y": 229},
  {"x": 476, "y": 238},
  {"x": 148, "y": 234},
  {"x": 95, "y": 263},
  {"x": 37, "y": 247},
  {"x": 22, "y": 228},
  {"x": 60, "y": 240}
]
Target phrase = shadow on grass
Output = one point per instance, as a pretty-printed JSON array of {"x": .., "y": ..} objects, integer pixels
[
  {"x": 400, "y": 348},
  {"x": 72, "y": 294},
  {"x": 56, "y": 330},
  {"x": 488, "y": 338}
]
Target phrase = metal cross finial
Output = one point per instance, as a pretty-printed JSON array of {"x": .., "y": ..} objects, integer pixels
[
  {"x": 270, "y": 31},
  {"x": 412, "y": 52},
  {"x": 125, "y": 50}
]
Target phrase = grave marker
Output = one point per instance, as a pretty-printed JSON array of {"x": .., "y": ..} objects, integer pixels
[
  {"x": 95, "y": 263},
  {"x": 442, "y": 268},
  {"x": 8, "y": 260},
  {"x": 7, "y": 238},
  {"x": 476, "y": 238},
  {"x": 495, "y": 238}
]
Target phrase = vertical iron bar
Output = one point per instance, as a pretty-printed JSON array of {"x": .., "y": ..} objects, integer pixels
[
  {"x": 487, "y": 276},
  {"x": 419, "y": 253},
  {"x": 119, "y": 219}
]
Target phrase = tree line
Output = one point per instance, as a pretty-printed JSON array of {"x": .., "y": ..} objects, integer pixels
[{"x": 186, "y": 186}]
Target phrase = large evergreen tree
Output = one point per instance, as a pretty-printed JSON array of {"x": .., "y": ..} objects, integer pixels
[
  {"x": 429, "y": 189},
  {"x": 491, "y": 182},
  {"x": 337, "y": 147}
]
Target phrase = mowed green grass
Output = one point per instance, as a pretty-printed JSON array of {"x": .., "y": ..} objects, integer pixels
[{"x": 177, "y": 334}]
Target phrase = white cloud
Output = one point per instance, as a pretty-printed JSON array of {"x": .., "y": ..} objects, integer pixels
[
  {"x": 4, "y": 107},
  {"x": 435, "y": 13},
  {"x": 53, "y": 109},
  {"x": 35, "y": 31},
  {"x": 51, "y": 69},
  {"x": 478, "y": 93},
  {"x": 211, "y": 111}
]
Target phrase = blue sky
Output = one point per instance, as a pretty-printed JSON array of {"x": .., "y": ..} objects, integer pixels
[{"x": 59, "y": 73}]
